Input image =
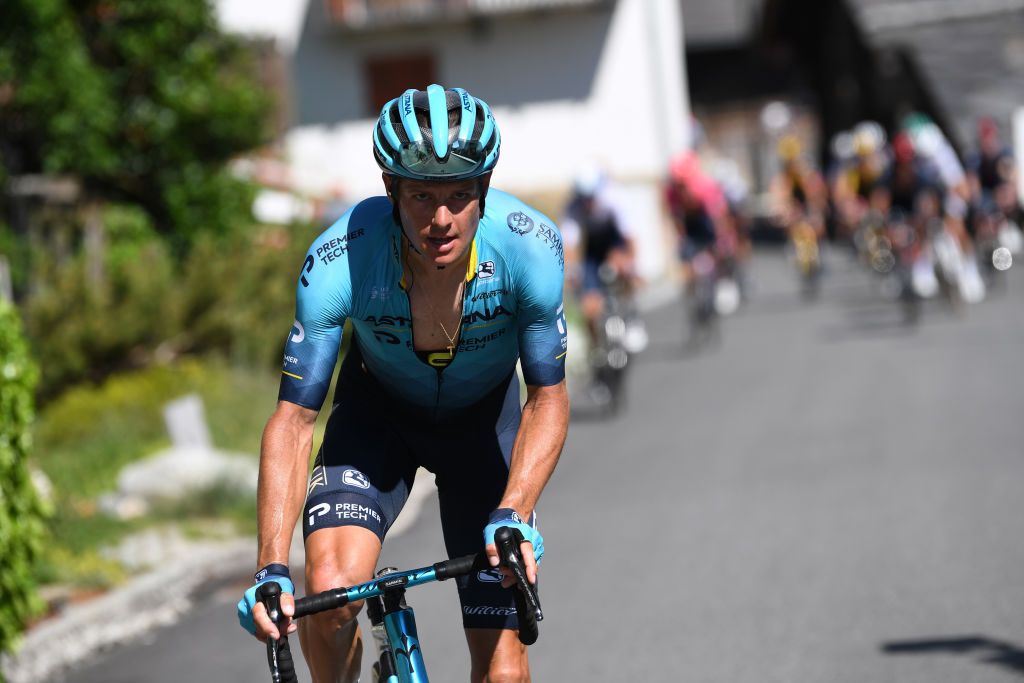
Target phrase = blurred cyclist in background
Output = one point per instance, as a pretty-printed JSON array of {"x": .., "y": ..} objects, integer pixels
[
  {"x": 799, "y": 191},
  {"x": 601, "y": 251},
  {"x": 995, "y": 213},
  {"x": 992, "y": 171},
  {"x": 800, "y": 202},
  {"x": 725, "y": 173},
  {"x": 697, "y": 208},
  {"x": 907, "y": 179},
  {"x": 860, "y": 165},
  {"x": 708, "y": 244}
]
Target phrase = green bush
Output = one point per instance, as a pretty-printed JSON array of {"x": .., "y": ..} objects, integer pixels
[
  {"x": 232, "y": 297},
  {"x": 238, "y": 294},
  {"x": 21, "y": 510}
]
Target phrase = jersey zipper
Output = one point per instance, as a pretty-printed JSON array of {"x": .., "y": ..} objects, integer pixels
[
  {"x": 455, "y": 351},
  {"x": 412, "y": 334}
]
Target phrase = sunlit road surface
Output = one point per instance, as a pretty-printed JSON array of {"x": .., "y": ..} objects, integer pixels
[{"x": 828, "y": 496}]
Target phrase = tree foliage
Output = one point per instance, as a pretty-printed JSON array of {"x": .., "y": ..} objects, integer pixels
[
  {"x": 21, "y": 510},
  {"x": 143, "y": 100},
  {"x": 232, "y": 297}
]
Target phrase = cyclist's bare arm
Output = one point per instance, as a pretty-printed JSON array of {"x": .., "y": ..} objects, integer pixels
[
  {"x": 535, "y": 453},
  {"x": 284, "y": 465}
]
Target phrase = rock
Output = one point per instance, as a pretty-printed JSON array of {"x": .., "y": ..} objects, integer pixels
[
  {"x": 173, "y": 473},
  {"x": 122, "y": 507}
]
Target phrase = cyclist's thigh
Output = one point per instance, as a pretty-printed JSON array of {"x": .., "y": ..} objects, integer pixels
[
  {"x": 471, "y": 462},
  {"x": 364, "y": 471}
]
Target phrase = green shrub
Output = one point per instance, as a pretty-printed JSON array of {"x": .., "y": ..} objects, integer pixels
[
  {"x": 83, "y": 329},
  {"x": 232, "y": 297},
  {"x": 21, "y": 510},
  {"x": 239, "y": 293}
]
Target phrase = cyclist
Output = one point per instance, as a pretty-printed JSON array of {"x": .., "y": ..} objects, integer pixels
[
  {"x": 444, "y": 293},
  {"x": 993, "y": 181},
  {"x": 856, "y": 179},
  {"x": 993, "y": 173},
  {"x": 697, "y": 208},
  {"x": 800, "y": 199},
  {"x": 908, "y": 178},
  {"x": 798, "y": 191},
  {"x": 597, "y": 237}
]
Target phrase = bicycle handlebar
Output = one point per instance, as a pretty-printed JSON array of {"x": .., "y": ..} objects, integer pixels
[
  {"x": 528, "y": 608},
  {"x": 279, "y": 654},
  {"x": 508, "y": 540}
]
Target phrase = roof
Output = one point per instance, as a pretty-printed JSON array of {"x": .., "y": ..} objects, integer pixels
[{"x": 971, "y": 53}]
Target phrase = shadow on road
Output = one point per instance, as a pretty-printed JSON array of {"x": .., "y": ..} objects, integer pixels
[
  {"x": 683, "y": 348},
  {"x": 983, "y": 649},
  {"x": 874, "y": 320}
]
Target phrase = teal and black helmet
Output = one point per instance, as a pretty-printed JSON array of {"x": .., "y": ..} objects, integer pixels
[{"x": 436, "y": 134}]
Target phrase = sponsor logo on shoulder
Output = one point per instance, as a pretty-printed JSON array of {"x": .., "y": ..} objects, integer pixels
[
  {"x": 519, "y": 223},
  {"x": 554, "y": 242},
  {"x": 485, "y": 270},
  {"x": 298, "y": 332},
  {"x": 355, "y": 478}
]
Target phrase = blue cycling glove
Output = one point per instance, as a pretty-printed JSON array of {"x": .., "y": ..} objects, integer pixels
[
  {"x": 272, "y": 572},
  {"x": 509, "y": 517}
]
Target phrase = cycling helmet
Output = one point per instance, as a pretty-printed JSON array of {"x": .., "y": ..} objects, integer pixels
[
  {"x": 789, "y": 148},
  {"x": 868, "y": 138},
  {"x": 436, "y": 134},
  {"x": 588, "y": 182},
  {"x": 903, "y": 147}
]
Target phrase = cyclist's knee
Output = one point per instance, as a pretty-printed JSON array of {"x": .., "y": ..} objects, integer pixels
[
  {"x": 506, "y": 662},
  {"x": 592, "y": 304},
  {"x": 321, "y": 578},
  {"x": 508, "y": 672}
]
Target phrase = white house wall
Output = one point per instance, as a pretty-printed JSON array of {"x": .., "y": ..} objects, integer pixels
[{"x": 569, "y": 90}]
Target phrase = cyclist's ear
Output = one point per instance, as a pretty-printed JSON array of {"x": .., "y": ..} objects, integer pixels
[{"x": 390, "y": 186}]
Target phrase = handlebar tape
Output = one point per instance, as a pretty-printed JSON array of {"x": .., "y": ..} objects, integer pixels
[
  {"x": 321, "y": 602},
  {"x": 459, "y": 566}
]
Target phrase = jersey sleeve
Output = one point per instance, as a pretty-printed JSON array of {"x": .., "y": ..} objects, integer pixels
[
  {"x": 543, "y": 336},
  {"x": 323, "y": 300}
]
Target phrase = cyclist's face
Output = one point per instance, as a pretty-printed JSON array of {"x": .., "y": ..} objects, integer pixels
[{"x": 439, "y": 218}]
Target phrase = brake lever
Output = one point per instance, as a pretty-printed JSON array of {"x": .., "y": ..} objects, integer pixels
[{"x": 508, "y": 540}]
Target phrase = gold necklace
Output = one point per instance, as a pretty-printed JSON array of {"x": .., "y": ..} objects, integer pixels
[{"x": 450, "y": 337}]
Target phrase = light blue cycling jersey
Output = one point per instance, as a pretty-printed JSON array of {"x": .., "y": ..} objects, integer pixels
[{"x": 512, "y": 308}]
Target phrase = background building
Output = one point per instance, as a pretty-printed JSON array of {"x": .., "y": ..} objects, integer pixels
[{"x": 573, "y": 83}]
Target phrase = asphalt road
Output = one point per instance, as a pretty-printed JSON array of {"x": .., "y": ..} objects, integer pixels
[{"x": 827, "y": 496}]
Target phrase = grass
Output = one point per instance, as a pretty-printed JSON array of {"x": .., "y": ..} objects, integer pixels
[{"x": 84, "y": 439}]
